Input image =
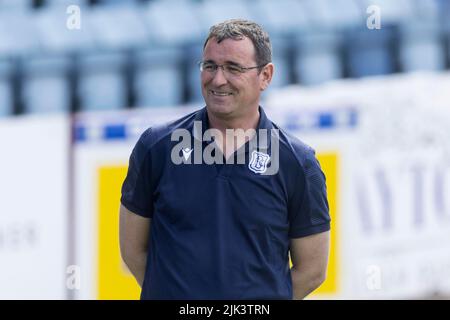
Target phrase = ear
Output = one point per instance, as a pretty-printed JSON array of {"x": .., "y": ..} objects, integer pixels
[{"x": 266, "y": 76}]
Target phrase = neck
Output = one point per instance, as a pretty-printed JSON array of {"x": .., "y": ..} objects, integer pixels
[
  {"x": 249, "y": 121},
  {"x": 229, "y": 144}
]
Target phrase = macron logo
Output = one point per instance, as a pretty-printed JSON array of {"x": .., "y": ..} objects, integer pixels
[{"x": 186, "y": 153}]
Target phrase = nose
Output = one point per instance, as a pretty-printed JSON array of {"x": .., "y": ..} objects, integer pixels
[{"x": 219, "y": 77}]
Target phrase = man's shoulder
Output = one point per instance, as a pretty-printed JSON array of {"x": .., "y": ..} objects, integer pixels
[
  {"x": 300, "y": 159},
  {"x": 162, "y": 132},
  {"x": 296, "y": 149}
]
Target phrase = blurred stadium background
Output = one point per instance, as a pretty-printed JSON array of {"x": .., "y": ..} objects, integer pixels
[{"x": 366, "y": 83}]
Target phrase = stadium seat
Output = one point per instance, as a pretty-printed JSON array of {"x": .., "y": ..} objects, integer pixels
[
  {"x": 158, "y": 78},
  {"x": 444, "y": 22},
  {"x": 427, "y": 10},
  {"x": 102, "y": 83},
  {"x": 6, "y": 90},
  {"x": 117, "y": 27},
  {"x": 54, "y": 37},
  {"x": 282, "y": 18},
  {"x": 317, "y": 57},
  {"x": 320, "y": 13},
  {"x": 346, "y": 14},
  {"x": 17, "y": 33},
  {"x": 173, "y": 22},
  {"x": 281, "y": 52},
  {"x": 15, "y": 5},
  {"x": 214, "y": 11},
  {"x": 369, "y": 52},
  {"x": 45, "y": 84},
  {"x": 318, "y": 48},
  {"x": 443, "y": 8},
  {"x": 334, "y": 14},
  {"x": 421, "y": 47}
]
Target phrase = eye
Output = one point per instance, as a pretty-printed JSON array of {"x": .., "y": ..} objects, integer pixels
[
  {"x": 209, "y": 67},
  {"x": 233, "y": 69}
]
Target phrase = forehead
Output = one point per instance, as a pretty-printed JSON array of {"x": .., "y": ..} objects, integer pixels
[{"x": 239, "y": 51}]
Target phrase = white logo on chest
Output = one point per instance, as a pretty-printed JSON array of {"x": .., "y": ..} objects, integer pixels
[{"x": 258, "y": 162}]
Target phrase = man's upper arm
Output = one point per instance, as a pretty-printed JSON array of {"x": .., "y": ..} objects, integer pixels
[
  {"x": 137, "y": 188},
  {"x": 311, "y": 253},
  {"x": 134, "y": 231},
  {"x": 308, "y": 204}
]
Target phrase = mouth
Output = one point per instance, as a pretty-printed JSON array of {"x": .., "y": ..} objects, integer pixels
[{"x": 220, "y": 93}]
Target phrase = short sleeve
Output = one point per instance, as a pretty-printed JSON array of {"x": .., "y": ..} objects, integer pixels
[
  {"x": 137, "y": 191},
  {"x": 308, "y": 207}
]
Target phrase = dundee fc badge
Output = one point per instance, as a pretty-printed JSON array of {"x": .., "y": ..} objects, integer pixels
[{"x": 258, "y": 162}]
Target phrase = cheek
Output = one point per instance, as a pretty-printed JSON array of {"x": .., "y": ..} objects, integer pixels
[
  {"x": 254, "y": 87},
  {"x": 205, "y": 78},
  {"x": 261, "y": 83}
]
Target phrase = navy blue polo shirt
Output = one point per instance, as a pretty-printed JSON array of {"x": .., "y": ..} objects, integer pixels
[{"x": 222, "y": 231}]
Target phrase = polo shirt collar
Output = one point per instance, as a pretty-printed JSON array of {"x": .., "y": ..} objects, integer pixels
[{"x": 263, "y": 123}]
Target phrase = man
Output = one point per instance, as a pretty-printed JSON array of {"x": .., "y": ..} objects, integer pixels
[{"x": 202, "y": 230}]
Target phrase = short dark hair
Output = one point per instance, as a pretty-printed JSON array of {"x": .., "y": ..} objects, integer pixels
[{"x": 239, "y": 28}]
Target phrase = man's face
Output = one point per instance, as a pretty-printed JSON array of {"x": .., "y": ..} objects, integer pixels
[{"x": 226, "y": 94}]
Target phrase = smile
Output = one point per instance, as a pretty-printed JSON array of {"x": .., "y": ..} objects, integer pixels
[{"x": 221, "y": 94}]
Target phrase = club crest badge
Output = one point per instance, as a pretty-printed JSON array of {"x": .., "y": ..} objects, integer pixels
[{"x": 258, "y": 162}]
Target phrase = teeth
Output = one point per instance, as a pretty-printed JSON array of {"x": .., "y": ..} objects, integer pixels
[{"x": 220, "y": 93}]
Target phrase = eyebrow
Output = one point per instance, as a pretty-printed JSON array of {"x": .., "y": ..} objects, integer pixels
[
  {"x": 233, "y": 63},
  {"x": 226, "y": 62}
]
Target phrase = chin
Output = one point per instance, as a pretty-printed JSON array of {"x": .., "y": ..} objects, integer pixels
[{"x": 222, "y": 109}]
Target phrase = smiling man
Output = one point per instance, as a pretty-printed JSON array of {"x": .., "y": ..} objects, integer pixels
[{"x": 226, "y": 230}]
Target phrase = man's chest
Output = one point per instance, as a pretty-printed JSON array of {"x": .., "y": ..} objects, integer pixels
[{"x": 191, "y": 195}]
